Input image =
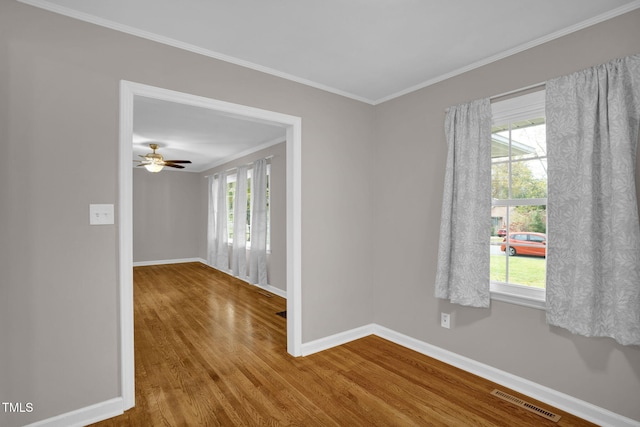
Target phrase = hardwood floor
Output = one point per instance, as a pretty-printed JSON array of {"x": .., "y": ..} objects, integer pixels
[{"x": 211, "y": 351}]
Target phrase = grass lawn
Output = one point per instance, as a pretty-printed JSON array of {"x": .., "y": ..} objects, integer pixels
[{"x": 523, "y": 270}]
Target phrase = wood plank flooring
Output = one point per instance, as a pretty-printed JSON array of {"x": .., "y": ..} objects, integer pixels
[{"x": 211, "y": 351}]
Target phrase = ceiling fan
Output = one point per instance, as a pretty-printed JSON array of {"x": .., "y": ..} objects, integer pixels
[{"x": 154, "y": 162}]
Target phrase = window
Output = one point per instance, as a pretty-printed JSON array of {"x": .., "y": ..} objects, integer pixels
[
  {"x": 231, "y": 198},
  {"x": 519, "y": 200}
]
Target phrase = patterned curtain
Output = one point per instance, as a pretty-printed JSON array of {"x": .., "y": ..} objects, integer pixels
[
  {"x": 593, "y": 262},
  {"x": 463, "y": 254}
]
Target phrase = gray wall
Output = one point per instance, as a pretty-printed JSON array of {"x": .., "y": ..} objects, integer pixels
[
  {"x": 410, "y": 142},
  {"x": 277, "y": 258},
  {"x": 59, "y": 104},
  {"x": 166, "y": 215},
  {"x": 59, "y": 81}
]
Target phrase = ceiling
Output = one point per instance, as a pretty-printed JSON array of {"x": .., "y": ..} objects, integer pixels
[
  {"x": 206, "y": 137},
  {"x": 368, "y": 50}
]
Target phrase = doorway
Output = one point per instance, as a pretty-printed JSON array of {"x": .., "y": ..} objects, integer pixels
[{"x": 292, "y": 126}]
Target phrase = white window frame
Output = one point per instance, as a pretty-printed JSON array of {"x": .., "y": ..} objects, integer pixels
[{"x": 516, "y": 109}]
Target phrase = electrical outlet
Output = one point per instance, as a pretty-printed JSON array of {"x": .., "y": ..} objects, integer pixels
[{"x": 445, "y": 320}]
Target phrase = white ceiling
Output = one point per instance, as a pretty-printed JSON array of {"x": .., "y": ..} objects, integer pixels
[
  {"x": 204, "y": 136},
  {"x": 368, "y": 50}
]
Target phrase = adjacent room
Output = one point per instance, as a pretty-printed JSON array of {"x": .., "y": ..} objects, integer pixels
[{"x": 319, "y": 213}]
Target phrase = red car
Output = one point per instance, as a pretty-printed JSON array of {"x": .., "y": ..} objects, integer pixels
[{"x": 525, "y": 243}]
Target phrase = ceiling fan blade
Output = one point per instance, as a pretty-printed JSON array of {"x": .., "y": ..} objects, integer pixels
[
  {"x": 140, "y": 155},
  {"x": 177, "y": 161},
  {"x": 174, "y": 166},
  {"x": 143, "y": 164}
]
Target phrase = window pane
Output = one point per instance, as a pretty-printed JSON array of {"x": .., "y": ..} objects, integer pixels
[
  {"x": 518, "y": 256},
  {"x": 500, "y": 181},
  {"x": 529, "y": 140},
  {"x": 530, "y": 219},
  {"x": 518, "y": 157},
  {"x": 499, "y": 144},
  {"x": 529, "y": 179},
  {"x": 498, "y": 262}
]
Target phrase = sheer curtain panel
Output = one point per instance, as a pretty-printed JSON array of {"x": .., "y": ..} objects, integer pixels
[
  {"x": 593, "y": 263},
  {"x": 221, "y": 239},
  {"x": 463, "y": 253},
  {"x": 211, "y": 221},
  {"x": 239, "y": 253},
  {"x": 258, "y": 252}
]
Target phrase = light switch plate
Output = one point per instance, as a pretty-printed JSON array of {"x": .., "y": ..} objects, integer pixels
[{"x": 100, "y": 214}]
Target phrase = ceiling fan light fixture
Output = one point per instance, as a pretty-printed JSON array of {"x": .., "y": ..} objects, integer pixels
[
  {"x": 153, "y": 167},
  {"x": 155, "y": 162}
]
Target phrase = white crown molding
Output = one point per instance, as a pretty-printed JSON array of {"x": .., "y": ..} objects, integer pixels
[
  {"x": 46, "y": 5},
  {"x": 537, "y": 42}
]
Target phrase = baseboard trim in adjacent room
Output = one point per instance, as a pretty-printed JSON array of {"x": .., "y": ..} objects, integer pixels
[
  {"x": 269, "y": 288},
  {"x": 84, "y": 416},
  {"x": 167, "y": 261}
]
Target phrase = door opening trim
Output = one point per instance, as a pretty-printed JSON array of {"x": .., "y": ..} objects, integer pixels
[{"x": 293, "y": 126}]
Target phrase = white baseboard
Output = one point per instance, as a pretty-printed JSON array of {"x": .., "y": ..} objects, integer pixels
[
  {"x": 336, "y": 340},
  {"x": 84, "y": 416},
  {"x": 572, "y": 405},
  {"x": 539, "y": 392},
  {"x": 272, "y": 289},
  {"x": 167, "y": 261},
  {"x": 269, "y": 288}
]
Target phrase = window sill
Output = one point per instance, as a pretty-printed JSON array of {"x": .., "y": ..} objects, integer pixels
[{"x": 519, "y": 295}]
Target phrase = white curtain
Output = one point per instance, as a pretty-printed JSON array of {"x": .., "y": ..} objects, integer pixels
[
  {"x": 258, "y": 253},
  {"x": 593, "y": 262},
  {"x": 221, "y": 260},
  {"x": 212, "y": 245},
  {"x": 463, "y": 253},
  {"x": 239, "y": 253}
]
